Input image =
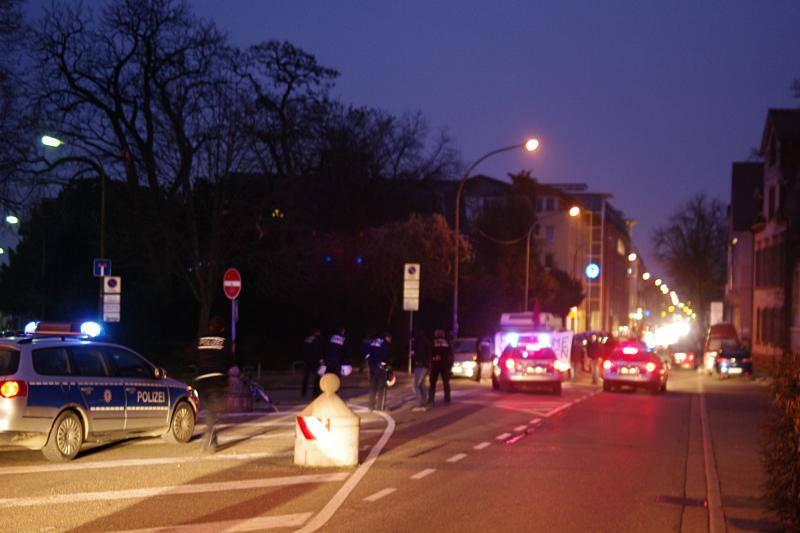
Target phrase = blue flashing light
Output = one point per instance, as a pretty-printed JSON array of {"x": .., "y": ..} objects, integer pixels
[
  {"x": 592, "y": 270},
  {"x": 328, "y": 259},
  {"x": 359, "y": 260},
  {"x": 30, "y": 327},
  {"x": 92, "y": 329}
]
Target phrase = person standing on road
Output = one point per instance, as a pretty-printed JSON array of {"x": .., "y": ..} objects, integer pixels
[
  {"x": 378, "y": 360},
  {"x": 214, "y": 359},
  {"x": 312, "y": 358},
  {"x": 334, "y": 353},
  {"x": 365, "y": 344},
  {"x": 595, "y": 350},
  {"x": 422, "y": 362},
  {"x": 441, "y": 363}
]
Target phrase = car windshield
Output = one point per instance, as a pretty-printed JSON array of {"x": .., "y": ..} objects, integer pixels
[
  {"x": 464, "y": 345},
  {"x": 9, "y": 361}
]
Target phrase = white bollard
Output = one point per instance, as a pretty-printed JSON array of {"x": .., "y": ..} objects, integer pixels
[{"x": 326, "y": 431}]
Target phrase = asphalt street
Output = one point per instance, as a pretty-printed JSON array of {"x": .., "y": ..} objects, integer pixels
[{"x": 587, "y": 460}]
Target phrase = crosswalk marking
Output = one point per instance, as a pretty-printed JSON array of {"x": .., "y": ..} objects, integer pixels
[
  {"x": 195, "y": 488},
  {"x": 94, "y": 465},
  {"x": 246, "y": 524}
]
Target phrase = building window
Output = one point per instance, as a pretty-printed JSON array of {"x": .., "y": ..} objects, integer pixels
[
  {"x": 550, "y": 233},
  {"x": 550, "y": 204},
  {"x": 540, "y": 204}
]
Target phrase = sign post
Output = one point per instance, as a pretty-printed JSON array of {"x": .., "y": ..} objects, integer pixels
[
  {"x": 112, "y": 298},
  {"x": 411, "y": 273},
  {"x": 232, "y": 285}
]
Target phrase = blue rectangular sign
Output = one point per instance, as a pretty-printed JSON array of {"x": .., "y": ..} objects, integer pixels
[{"x": 101, "y": 267}]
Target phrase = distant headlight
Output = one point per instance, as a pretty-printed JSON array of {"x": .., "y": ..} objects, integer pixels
[{"x": 468, "y": 364}]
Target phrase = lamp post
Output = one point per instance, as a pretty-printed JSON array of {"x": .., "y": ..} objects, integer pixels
[
  {"x": 54, "y": 142},
  {"x": 530, "y": 145}
]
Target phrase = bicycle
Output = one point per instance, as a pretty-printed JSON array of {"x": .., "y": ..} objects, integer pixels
[{"x": 258, "y": 393}]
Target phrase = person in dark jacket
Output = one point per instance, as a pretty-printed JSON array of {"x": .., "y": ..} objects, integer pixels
[
  {"x": 421, "y": 360},
  {"x": 335, "y": 352},
  {"x": 312, "y": 358},
  {"x": 378, "y": 360},
  {"x": 441, "y": 363},
  {"x": 214, "y": 359}
]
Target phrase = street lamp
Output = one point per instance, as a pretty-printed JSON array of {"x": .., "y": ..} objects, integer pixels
[
  {"x": 54, "y": 142},
  {"x": 530, "y": 145}
]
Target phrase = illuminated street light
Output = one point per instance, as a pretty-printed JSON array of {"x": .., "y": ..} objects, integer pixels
[
  {"x": 11, "y": 219},
  {"x": 574, "y": 211},
  {"x": 657, "y": 282},
  {"x": 664, "y": 289},
  {"x": 646, "y": 276},
  {"x": 632, "y": 257},
  {"x": 530, "y": 145},
  {"x": 52, "y": 142}
]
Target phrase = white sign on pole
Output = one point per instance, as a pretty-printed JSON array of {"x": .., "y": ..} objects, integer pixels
[
  {"x": 411, "y": 273},
  {"x": 112, "y": 298}
]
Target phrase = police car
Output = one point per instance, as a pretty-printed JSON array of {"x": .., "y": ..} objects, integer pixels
[{"x": 59, "y": 390}]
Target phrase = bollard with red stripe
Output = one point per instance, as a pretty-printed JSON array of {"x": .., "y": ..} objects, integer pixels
[{"x": 326, "y": 431}]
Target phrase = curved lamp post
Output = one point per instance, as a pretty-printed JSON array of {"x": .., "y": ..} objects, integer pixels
[{"x": 530, "y": 145}]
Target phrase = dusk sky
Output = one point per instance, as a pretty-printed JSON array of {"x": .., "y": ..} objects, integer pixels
[{"x": 649, "y": 100}]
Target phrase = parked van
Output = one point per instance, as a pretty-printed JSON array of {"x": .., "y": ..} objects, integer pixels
[{"x": 719, "y": 337}]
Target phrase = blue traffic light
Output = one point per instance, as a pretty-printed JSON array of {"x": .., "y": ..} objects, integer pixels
[{"x": 592, "y": 270}]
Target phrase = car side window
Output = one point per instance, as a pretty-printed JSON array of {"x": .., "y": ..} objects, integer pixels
[
  {"x": 129, "y": 365},
  {"x": 9, "y": 361},
  {"x": 88, "y": 361},
  {"x": 51, "y": 362}
]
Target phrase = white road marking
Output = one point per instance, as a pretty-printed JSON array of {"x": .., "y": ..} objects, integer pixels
[
  {"x": 536, "y": 421},
  {"x": 194, "y": 488},
  {"x": 247, "y": 524},
  {"x": 523, "y": 427},
  {"x": 338, "y": 499},
  {"x": 516, "y": 439},
  {"x": 716, "y": 515},
  {"x": 481, "y": 446},
  {"x": 423, "y": 473},
  {"x": 456, "y": 458},
  {"x": 380, "y": 494},
  {"x": 93, "y": 465},
  {"x": 503, "y": 436}
]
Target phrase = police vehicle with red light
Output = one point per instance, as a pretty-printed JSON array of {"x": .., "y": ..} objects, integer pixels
[
  {"x": 60, "y": 388},
  {"x": 632, "y": 364}
]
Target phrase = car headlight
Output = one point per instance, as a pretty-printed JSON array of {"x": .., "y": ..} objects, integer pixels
[{"x": 469, "y": 364}]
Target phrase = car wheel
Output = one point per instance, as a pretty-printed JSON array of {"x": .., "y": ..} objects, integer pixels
[
  {"x": 607, "y": 386},
  {"x": 181, "y": 428},
  {"x": 65, "y": 439},
  {"x": 664, "y": 386},
  {"x": 654, "y": 388},
  {"x": 495, "y": 384},
  {"x": 478, "y": 373},
  {"x": 557, "y": 388}
]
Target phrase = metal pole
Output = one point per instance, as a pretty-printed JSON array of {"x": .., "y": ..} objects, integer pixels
[
  {"x": 410, "y": 338},
  {"x": 458, "y": 226},
  {"x": 527, "y": 267},
  {"x": 234, "y": 311},
  {"x": 603, "y": 272},
  {"x": 102, "y": 238}
]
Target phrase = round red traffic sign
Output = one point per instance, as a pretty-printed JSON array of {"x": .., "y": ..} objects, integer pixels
[{"x": 232, "y": 283}]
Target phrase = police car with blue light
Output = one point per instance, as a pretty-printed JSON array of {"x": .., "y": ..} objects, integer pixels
[{"x": 61, "y": 388}]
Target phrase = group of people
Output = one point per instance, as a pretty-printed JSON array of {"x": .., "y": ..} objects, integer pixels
[{"x": 432, "y": 359}]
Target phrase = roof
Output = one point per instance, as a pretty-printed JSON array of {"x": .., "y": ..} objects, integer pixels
[{"x": 785, "y": 123}]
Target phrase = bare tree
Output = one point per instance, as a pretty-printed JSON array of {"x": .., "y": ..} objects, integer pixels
[{"x": 692, "y": 247}]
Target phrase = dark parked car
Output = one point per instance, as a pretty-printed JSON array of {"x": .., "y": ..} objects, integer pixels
[{"x": 734, "y": 362}]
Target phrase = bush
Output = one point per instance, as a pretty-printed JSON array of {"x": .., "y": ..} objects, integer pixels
[{"x": 782, "y": 442}]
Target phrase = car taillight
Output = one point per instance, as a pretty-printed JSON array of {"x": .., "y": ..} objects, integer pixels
[
  {"x": 510, "y": 364},
  {"x": 650, "y": 366},
  {"x": 690, "y": 356},
  {"x": 607, "y": 364},
  {"x": 13, "y": 389}
]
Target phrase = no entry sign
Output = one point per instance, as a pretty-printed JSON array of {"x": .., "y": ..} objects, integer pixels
[{"x": 232, "y": 283}]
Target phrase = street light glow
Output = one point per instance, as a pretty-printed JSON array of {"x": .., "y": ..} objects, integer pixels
[
  {"x": 632, "y": 257},
  {"x": 574, "y": 211},
  {"x": 12, "y": 219},
  {"x": 532, "y": 145},
  {"x": 657, "y": 282},
  {"x": 51, "y": 141},
  {"x": 646, "y": 276}
]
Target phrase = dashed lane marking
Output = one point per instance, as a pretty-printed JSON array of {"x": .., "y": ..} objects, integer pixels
[
  {"x": 536, "y": 421},
  {"x": 94, "y": 465},
  {"x": 481, "y": 446},
  {"x": 193, "y": 488},
  {"x": 503, "y": 436},
  {"x": 514, "y": 440},
  {"x": 423, "y": 473},
  {"x": 258, "y": 523},
  {"x": 456, "y": 458},
  {"x": 380, "y": 494},
  {"x": 523, "y": 427}
]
